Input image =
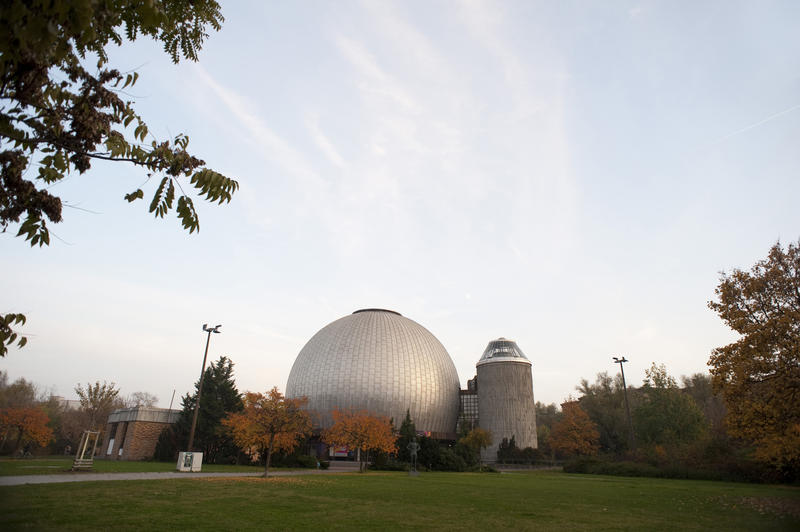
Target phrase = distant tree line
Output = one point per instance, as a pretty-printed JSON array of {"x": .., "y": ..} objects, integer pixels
[
  {"x": 741, "y": 422},
  {"x": 33, "y": 422},
  {"x": 679, "y": 431}
]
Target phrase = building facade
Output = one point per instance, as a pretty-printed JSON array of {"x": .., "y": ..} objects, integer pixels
[
  {"x": 468, "y": 413},
  {"x": 132, "y": 433},
  {"x": 378, "y": 361}
]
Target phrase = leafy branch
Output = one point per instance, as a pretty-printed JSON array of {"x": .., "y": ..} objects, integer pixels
[
  {"x": 58, "y": 117},
  {"x": 7, "y": 334}
]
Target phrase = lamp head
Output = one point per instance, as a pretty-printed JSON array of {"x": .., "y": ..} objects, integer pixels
[{"x": 208, "y": 329}]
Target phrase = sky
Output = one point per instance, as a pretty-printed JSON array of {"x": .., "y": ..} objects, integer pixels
[{"x": 572, "y": 175}]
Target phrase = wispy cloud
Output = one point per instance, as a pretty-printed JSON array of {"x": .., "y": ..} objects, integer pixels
[
  {"x": 485, "y": 21},
  {"x": 538, "y": 159},
  {"x": 423, "y": 151},
  {"x": 275, "y": 148},
  {"x": 322, "y": 141},
  {"x": 374, "y": 79},
  {"x": 757, "y": 124}
]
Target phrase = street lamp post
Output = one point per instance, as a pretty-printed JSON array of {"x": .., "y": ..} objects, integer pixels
[
  {"x": 631, "y": 436},
  {"x": 209, "y": 330}
]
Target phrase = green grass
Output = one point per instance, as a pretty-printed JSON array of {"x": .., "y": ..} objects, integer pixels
[
  {"x": 55, "y": 465},
  {"x": 389, "y": 501}
]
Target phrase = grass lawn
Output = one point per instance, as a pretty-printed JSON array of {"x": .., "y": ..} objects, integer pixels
[
  {"x": 389, "y": 501},
  {"x": 56, "y": 464}
]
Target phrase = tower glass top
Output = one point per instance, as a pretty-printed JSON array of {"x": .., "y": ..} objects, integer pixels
[{"x": 504, "y": 348}]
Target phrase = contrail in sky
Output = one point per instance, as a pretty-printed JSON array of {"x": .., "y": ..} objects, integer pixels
[{"x": 756, "y": 124}]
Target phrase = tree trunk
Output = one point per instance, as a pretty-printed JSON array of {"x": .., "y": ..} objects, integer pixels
[
  {"x": 3, "y": 443},
  {"x": 269, "y": 456},
  {"x": 19, "y": 441}
]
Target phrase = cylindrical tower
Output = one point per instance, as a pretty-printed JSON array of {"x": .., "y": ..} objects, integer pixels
[{"x": 505, "y": 397}]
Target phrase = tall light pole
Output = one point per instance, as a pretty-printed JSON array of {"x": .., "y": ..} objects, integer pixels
[
  {"x": 209, "y": 330},
  {"x": 631, "y": 436}
]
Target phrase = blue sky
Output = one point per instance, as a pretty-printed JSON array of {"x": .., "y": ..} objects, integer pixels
[{"x": 572, "y": 175}]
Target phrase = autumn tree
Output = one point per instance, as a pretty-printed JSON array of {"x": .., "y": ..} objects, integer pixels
[
  {"x": 759, "y": 374},
  {"x": 362, "y": 431},
  {"x": 20, "y": 393},
  {"x": 24, "y": 425},
  {"x": 574, "y": 434},
  {"x": 270, "y": 422},
  {"x": 477, "y": 439},
  {"x": 63, "y": 107},
  {"x": 665, "y": 414},
  {"x": 97, "y": 403},
  {"x": 546, "y": 417},
  {"x": 23, "y": 393}
]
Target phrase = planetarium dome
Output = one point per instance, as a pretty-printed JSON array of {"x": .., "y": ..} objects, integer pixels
[{"x": 379, "y": 361}]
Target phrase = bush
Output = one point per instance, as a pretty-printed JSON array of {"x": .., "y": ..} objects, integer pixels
[
  {"x": 450, "y": 461},
  {"x": 730, "y": 469},
  {"x": 580, "y": 465},
  {"x": 324, "y": 464},
  {"x": 167, "y": 446},
  {"x": 389, "y": 465},
  {"x": 429, "y": 454},
  {"x": 295, "y": 459},
  {"x": 470, "y": 458},
  {"x": 596, "y": 466},
  {"x": 306, "y": 461}
]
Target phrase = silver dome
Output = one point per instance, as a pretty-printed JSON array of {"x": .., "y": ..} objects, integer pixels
[{"x": 379, "y": 361}]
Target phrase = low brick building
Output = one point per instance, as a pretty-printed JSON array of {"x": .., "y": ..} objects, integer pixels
[{"x": 132, "y": 433}]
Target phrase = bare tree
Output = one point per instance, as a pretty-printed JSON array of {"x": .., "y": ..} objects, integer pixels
[
  {"x": 140, "y": 399},
  {"x": 98, "y": 401},
  {"x": 21, "y": 393}
]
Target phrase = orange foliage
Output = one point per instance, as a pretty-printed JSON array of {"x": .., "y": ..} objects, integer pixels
[
  {"x": 361, "y": 430},
  {"x": 759, "y": 374},
  {"x": 575, "y": 434},
  {"x": 270, "y": 422},
  {"x": 30, "y": 425}
]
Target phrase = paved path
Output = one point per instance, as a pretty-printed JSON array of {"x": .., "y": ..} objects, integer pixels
[{"x": 89, "y": 477}]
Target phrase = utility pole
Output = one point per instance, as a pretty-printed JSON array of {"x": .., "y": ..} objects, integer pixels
[
  {"x": 631, "y": 436},
  {"x": 209, "y": 330}
]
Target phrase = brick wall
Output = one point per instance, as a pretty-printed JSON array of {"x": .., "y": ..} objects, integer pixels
[{"x": 140, "y": 440}]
